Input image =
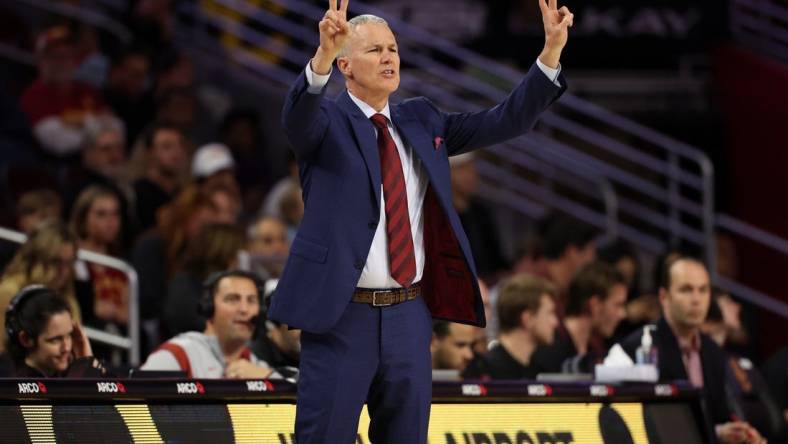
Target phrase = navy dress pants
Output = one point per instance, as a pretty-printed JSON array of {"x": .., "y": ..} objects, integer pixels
[{"x": 377, "y": 355}]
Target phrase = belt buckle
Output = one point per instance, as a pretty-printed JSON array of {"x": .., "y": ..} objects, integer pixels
[{"x": 375, "y": 298}]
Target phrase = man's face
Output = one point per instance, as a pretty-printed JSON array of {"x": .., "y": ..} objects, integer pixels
[
  {"x": 236, "y": 307},
  {"x": 107, "y": 155},
  {"x": 607, "y": 313},
  {"x": 454, "y": 351},
  {"x": 542, "y": 324},
  {"x": 168, "y": 153},
  {"x": 52, "y": 350},
  {"x": 687, "y": 300},
  {"x": 103, "y": 220},
  {"x": 371, "y": 66}
]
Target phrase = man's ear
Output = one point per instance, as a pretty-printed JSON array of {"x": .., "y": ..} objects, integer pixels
[
  {"x": 433, "y": 343},
  {"x": 343, "y": 63},
  {"x": 663, "y": 295},
  {"x": 526, "y": 317},
  {"x": 25, "y": 339}
]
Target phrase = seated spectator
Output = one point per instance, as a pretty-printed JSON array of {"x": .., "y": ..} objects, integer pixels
[
  {"x": 104, "y": 164},
  {"x": 751, "y": 398},
  {"x": 451, "y": 345},
  {"x": 213, "y": 167},
  {"x": 280, "y": 347},
  {"x": 158, "y": 255},
  {"x": 567, "y": 245},
  {"x": 96, "y": 221},
  {"x": 166, "y": 163},
  {"x": 685, "y": 353},
  {"x": 60, "y": 109},
  {"x": 215, "y": 249},
  {"x": 33, "y": 209},
  {"x": 268, "y": 246},
  {"x": 231, "y": 303},
  {"x": 526, "y": 319},
  {"x": 126, "y": 90},
  {"x": 44, "y": 340},
  {"x": 596, "y": 304},
  {"x": 46, "y": 258}
]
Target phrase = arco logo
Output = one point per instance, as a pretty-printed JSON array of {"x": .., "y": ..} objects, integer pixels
[{"x": 191, "y": 388}]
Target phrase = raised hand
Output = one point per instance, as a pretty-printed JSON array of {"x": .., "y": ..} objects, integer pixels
[
  {"x": 80, "y": 344},
  {"x": 556, "y": 30},
  {"x": 334, "y": 33}
]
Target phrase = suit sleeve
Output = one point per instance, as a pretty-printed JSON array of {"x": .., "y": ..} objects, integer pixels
[
  {"x": 516, "y": 115},
  {"x": 304, "y": 118}
]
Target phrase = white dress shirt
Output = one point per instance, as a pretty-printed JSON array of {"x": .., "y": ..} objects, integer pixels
[{"x": 376, "y": 273}]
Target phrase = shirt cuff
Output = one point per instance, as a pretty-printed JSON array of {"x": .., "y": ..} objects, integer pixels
[
  {"x": 551, "y": 73},
  {"x": 316, "y": 81}
]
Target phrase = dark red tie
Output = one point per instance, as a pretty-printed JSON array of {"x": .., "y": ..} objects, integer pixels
[{"x": 402, "y": 261}]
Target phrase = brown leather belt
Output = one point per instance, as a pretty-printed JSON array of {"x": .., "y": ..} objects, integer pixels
[{"x": 383, "y": 298}]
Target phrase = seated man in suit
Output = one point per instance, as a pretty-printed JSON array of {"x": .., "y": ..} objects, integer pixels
[
  {"x": 231, "y": 305},
  {"x": 687, "y": 354}
]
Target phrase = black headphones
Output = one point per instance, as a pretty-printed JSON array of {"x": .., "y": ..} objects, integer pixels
[
  {"x": 13, "y": 326},
  {"x": 206, "y": 305}
]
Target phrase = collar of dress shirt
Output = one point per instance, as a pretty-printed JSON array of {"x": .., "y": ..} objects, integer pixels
[
  {"x": 690, "y": 345},
  {"x": 368, "y": 110}
]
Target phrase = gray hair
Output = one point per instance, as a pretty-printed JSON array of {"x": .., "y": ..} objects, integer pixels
[{"x": 358, "y": 21}]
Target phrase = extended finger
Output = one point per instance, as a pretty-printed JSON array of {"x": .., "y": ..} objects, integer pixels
[
  {"x": 553, "y": 4},
  {"x": 343, "y": 7},
  {"x": 543, "y": 5},
  {"x": 326, "y": 27},
  {"x": 568, "y": 20},
  {"x": 332, "y": 5}
]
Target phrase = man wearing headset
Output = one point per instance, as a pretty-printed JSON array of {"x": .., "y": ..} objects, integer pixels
[
  {"x": 231, "y": 305},
  {"x": 42, "y": 338}
]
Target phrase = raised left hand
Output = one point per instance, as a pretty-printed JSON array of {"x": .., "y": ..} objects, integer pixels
[{"x": 557, "y": 22}]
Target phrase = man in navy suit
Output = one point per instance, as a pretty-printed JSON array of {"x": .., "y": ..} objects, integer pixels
[{"x": 380, "y": 250}]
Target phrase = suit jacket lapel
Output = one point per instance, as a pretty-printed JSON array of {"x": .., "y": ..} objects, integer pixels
[
  {"x": 669, "y": 353},
  {"x": 413, "y": 134},
  {"x": 364, "y": 133}
]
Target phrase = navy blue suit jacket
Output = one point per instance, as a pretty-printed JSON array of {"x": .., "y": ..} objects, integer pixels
[{"x": 337, "y": 151}]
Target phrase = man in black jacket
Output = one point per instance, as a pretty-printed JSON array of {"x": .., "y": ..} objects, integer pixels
[{"x": 684, "y": 353}]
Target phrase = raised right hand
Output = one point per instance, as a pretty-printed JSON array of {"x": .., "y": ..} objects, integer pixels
[{"x": 334, "y": 34}]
